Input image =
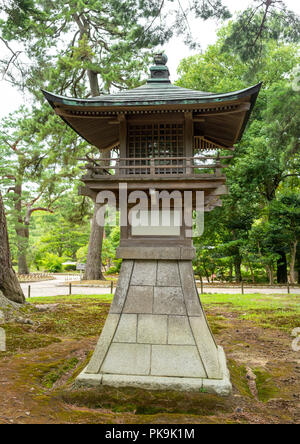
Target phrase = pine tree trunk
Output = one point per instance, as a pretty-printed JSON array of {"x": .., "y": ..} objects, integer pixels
[
  {"x": 237, "y": 268},
  {"x": 22, "y": 232},
  {"x": 270, "y": 273},
  {"x": 293, "y": 260},
  {"x": 206, "y": 273},
  {"x": 9, "y": 284},
  {"x": 252, "y": 273},
  {"x": 282, "y": 268},
  {"x": 93, "y": 270},
  {"x": 23, "y": 238},
  {"x": 94, "y": 84},
  {"x": 297, "y": 265}
]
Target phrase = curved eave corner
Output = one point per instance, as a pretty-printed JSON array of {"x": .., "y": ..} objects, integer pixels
[
  {"x": 49, "y": 96},
  {"x": 254, "y": 95}
]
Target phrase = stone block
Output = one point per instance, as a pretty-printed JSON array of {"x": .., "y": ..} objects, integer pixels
[
  {"x": 219, "y": 387},
  {"x": 168, "y": 274},
  {"x": 168, "y": 300},
  {"x": 190, "y": 292},
  {"x": 130, "y": 359},
  {"x": 154, "y": 382},
  {"x": 126, "y": 331},
  {"x": 144, "y": 273},
  {"x": 176, "y": 360},
  {"x": 139, "y": 300},
  {"x": 147, "y": 252},
  {"x": 122, "y": 287},
  {"x": 206, "y": 346},
  {"x": 87, "y": 380},
  {"x": 105, "y": 339},
  {"x": 152, "y": 329},
  {"x": 188, "y": 253},
  {"x": 222, "y": 386},
  {"x": 179, "y": 331}
]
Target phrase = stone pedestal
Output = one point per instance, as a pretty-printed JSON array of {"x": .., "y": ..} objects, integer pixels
[{"x": 156, "y": 335}]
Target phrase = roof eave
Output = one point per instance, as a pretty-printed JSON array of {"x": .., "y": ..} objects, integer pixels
[
  {"x": 235, "y": 95},
  {"x": 254, "y": 96}
]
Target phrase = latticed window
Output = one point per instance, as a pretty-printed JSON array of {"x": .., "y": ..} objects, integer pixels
[{"x": 159, "y": 141}]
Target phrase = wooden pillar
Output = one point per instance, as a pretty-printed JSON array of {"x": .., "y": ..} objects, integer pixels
[
  {"x": 188, "y": 139},
  {"x": 123, "y": 141}
]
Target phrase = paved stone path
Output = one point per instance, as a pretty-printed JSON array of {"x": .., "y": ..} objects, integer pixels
[
  {"x": 54, "y": 288},
  {"x": 255, "y": 290}
]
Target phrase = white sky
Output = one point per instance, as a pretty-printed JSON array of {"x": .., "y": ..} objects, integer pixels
[{"x": 203, "y": 32}]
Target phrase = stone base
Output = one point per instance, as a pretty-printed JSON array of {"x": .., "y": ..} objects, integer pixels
[
  {"x": 221, "y": 387},
  {"x": 157, "y": 253},
  {"x": 156, "y": 334}
]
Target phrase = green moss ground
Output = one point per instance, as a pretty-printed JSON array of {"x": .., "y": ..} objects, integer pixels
[{"x": 43, "y": 360}]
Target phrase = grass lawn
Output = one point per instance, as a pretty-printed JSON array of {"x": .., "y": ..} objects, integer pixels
[{"x": 43, "y": 359}]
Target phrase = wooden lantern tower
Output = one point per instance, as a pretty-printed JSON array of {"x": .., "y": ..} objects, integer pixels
[{"x": 169, "y": 139}]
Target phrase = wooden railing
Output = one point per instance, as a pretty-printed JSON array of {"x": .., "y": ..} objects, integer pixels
[{"x": 155, "y": 166}]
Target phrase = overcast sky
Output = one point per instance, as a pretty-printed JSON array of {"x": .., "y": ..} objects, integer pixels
[{"x": 203, "y": 32}]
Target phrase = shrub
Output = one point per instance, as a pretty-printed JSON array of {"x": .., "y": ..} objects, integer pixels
[
  {"x": 52, "y": 263},
  {"x": 70, "y": 267}
]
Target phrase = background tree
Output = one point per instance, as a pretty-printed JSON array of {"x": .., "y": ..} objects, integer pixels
[
  {"x": 9, "y": 284},
  {"x": 265, "y": 160},
  {"x": 84, "y": 48},
  {"x": 263, "y": 21},
  {"x": 32, "y": 172}
]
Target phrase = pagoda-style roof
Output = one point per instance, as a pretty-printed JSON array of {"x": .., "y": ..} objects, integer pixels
[{"x": 223, "y": 116}]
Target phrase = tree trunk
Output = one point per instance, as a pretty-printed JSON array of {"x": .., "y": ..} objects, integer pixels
[
  {"x": 252, "y": 272},
  {"x": 9, "y": 284},
  {"x": 293, "y": 260},
  {"x": 270, "y": 273},
  {"x": 297, "y": 265},
  {"x": 237, "y": 268},
  {"x": 94, "y": 84},
  {"x": 23, "y": 238},
  {"x": 282, "y": 268},
  {"x": 93, "y": 270},
  {"x": 22, "y": 232},
  {"x": 206, "y": 273}
]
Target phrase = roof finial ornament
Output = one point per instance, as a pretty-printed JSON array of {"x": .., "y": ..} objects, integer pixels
[
  {"x": 160, "y": 58},
  {"x": 159, "y": 72}
]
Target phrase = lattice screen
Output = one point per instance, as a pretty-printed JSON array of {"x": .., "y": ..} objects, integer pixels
[{"x": 159, "y": 140}]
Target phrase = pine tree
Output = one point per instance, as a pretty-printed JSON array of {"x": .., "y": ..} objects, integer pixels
[{"x": 9, "y": 284}]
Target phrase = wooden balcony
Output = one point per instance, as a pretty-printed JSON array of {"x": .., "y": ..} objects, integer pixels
[{"x": 155, "y": 168}]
